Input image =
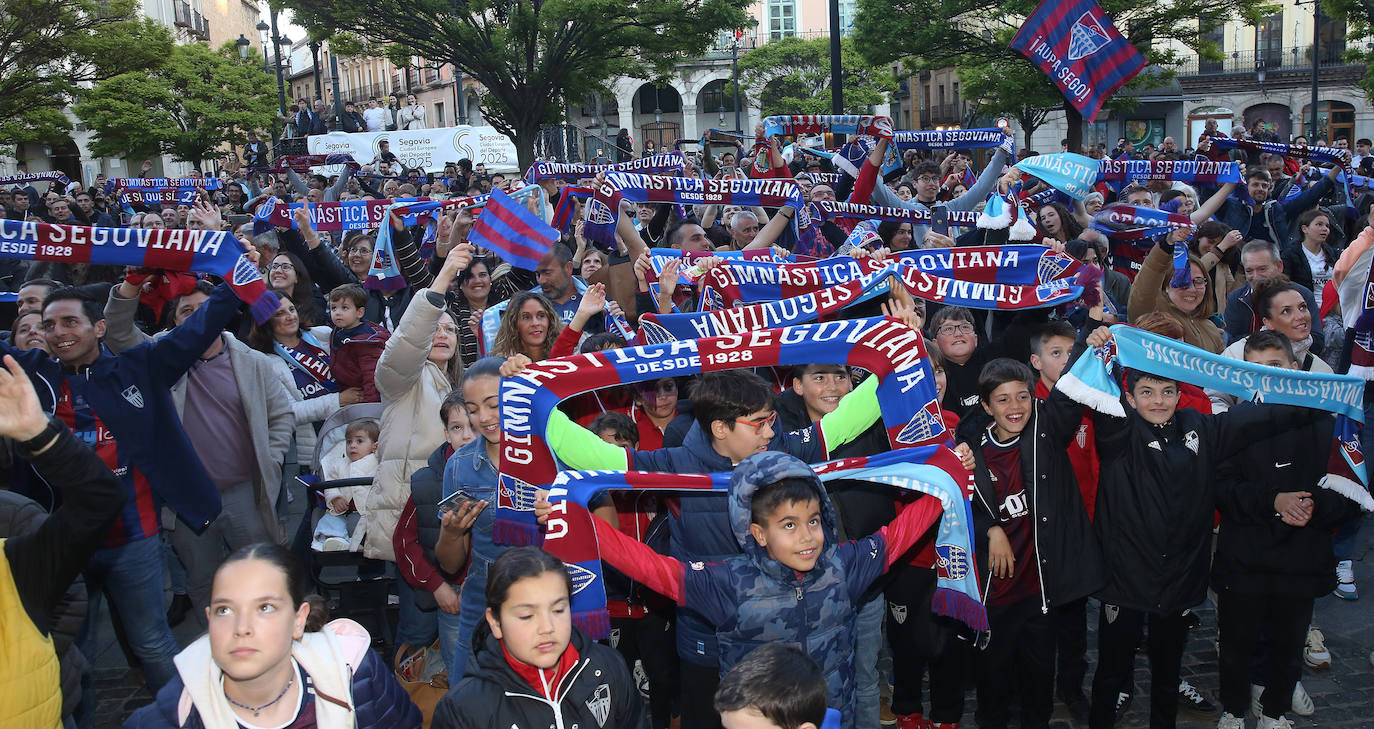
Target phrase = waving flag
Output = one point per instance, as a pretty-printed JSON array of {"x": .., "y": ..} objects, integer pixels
[
  {"x": 1083, "y": 53},
  {"x": 514, "y": 233}
]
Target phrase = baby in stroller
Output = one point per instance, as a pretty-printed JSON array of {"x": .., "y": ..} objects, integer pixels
[{"x": 341, "y": 528}]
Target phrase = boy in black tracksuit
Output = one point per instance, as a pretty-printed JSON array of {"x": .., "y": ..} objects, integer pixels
[
  {"x": 1034, "y": 536},
  {"x": 1155, "y": 501},
  {"x": 1273, "y": 554}
]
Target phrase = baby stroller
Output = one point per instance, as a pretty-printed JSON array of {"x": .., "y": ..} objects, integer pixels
[{"x": 355, "y": 586}]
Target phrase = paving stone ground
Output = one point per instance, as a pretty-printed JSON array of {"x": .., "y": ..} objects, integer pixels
[{"x": 1344, "y": 695}]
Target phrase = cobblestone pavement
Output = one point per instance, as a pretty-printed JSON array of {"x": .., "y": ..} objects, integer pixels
[{"x": 1344, "y": 695}]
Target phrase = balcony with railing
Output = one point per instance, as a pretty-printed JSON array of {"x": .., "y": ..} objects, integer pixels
[
  {"x": 1271, "y": 60},
  {"x": 200, "y": 26},
  {"x": 942, "y": 114}
]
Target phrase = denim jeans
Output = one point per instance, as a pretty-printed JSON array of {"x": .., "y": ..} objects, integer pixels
[
  {"x": 1346, "y": 537},
  {"x": 868, "y": 643},
  {"x": 413, "y": 625},
  {"x": 131, "y": 576},
  {"x": 455, "y": 651}
]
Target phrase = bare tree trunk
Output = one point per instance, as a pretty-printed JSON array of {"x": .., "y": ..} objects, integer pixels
[{"x": 1075, "y": 127}]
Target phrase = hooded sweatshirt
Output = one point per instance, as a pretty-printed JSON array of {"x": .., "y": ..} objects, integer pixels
[{"x": 753, "y": 599}]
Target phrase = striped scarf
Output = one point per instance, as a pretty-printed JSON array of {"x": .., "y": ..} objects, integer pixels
[
  {"x": 799, "y": 124},
  {"x": 666, "y": 163},
  {"x": 603, "y": 210}
]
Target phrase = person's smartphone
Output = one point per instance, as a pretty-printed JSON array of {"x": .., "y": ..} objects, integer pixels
[
  {"x": 237, "y": 220},
  {"x": 454, "y": 502},
  {"x": 939, "y": 220}
]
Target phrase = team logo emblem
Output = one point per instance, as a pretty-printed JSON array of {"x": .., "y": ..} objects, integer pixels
[
  {"x": 512, "y": 493},
  {"x": 598, "y": 213},
  {"x": 600, "y": 704},
  {"x": 581, "y": 576},
  {"x": 381, "y": 260},
  {"x": 1086, "y": 37},
  {"x": 245, "y": 272},
  {"x": 1112, "y": 612},
  {"x": 654, "y": 333},
  {"x": 615, "y": 637},
  {"x": 1082, "y": 436},
  {"x": 134, "y": 396},
  {"x": 898, "y": 612},
  {"x": 951, "y": 562},
  {"x": 922, "y": 426},
  {"x": 1050, "y": 267},
  {"x": 1190, "y": 439}
]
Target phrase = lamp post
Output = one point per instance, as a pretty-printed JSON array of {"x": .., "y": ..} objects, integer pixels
[
  {"x": 244, "y": 44},
  {"x": 836, "y": 75}
]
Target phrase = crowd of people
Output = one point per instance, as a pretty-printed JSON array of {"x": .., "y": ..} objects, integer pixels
[{"x": 157, "y": 437}]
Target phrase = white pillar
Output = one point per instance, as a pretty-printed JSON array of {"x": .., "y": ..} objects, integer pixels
[
  {"x": 625, "y": 110},
  {"x": 689, "y": 121}
]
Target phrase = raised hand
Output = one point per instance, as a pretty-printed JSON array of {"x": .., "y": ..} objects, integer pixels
[{"x": 21, "y": 417}]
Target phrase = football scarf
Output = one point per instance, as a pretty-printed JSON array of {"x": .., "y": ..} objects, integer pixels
[
  {"x": 1067, "y": 172},
  {"x": 1091, "y": 382},
  {"x": 160, "y": 190},
  {"x": 303, "y": 162},
  {"x": 329, "y": 216},
  {"x": 916, "y": 216},
  {"x": 201, "y": 251},
  {"x": 821, "y": 303},
  {"x": 310, "y": 371},
  {"x": 1077, "y": 46},
  {"x": 1324, "y": 155},
  {"x": 800, "y": 124},
  {"x": 1134, "y": 223},
  {"x": 571, "y": 534},
  {"x": 24, "y": 179},
  {"x": 887, "y": 347},
  {"x": 985, "y": 138},
  {"x": 603, "y": 210},
  {"x": 752, "y": 281},
  {"x": 666, "y": 163},
  {"x": 1190, "y": 171}
]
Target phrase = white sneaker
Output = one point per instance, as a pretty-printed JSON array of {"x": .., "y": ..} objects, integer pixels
[
  {"x": 1280, "y": 723},
  {"x": 1230, "y": 722},
  {"x": 1256, "y": 708},
  {"x": 1302, "y": 702},
  {"x": 334, "y": 544},
  {"x": 1314, "y": 654},
  {"x": 1345, "y": 581}
]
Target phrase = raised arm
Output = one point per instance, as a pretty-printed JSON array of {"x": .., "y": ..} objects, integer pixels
[{"x": 1206, "y": 210}]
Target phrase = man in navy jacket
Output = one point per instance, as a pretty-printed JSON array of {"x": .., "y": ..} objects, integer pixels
[{"x": 122, "y": 407}]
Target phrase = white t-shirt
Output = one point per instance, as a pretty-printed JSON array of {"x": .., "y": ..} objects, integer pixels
[
  {"x": 1321, "y": 272},
  {"x": 375, "y": 119}
]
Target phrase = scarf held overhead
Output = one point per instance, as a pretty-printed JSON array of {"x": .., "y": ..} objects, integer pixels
[
  {"x": 200, "y": 251},
  {"x": 27, "y": 177},
  {"x": 892, "y": 351},
  {"x": 799, "y": 124},
  {"x": 1191, "y": 171},
  {"x": 603, "y": 210},
  {"x": 329, "y": 216},
  {"x": 571, "y": 534},
  {"x": 1091, "y": 382},
  {"x": 666, "y": 163}
]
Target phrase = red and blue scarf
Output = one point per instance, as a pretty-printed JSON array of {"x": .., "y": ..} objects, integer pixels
[
  {"x": 201, "y": 251},
  {"x": 853, "y": 124},
  {"x": 1134, "y": 223},
  {"x": 666, "y": 163},
  {"x": 329, "y": 216},
  {"x": 571, "y": 534},
  {"x": 603, "y": 210},
  {"x": 1192, "y": 171}
]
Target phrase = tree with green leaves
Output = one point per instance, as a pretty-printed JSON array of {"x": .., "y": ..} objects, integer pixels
[
  {"x": 974, "y": 36},
  {"x": 188, "y": 107},
  {"x": 531, "y": 57},
  {"x": 50, "y": 49},
  {"x": 794, "y": 75},
  {"x": 1359, "y": 18}
]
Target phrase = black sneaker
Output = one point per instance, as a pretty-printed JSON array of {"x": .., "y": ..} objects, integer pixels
[
  {"x": 1192, "y": 700},
  {"x": 1123, "y": 704}
]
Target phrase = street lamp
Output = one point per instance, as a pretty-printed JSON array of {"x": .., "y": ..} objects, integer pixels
[
  {"x": 658, "y": 107},
  {"x": 244, "y": 44}
]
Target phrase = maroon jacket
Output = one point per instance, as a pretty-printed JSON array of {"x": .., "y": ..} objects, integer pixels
[{"x": 353, "y": 355}]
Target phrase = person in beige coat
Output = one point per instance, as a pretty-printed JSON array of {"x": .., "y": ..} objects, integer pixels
[
  {"x": 1193, "y": 306},
  {"x": 242, "y": 447},
  {"x": 417, "y": 369}
]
